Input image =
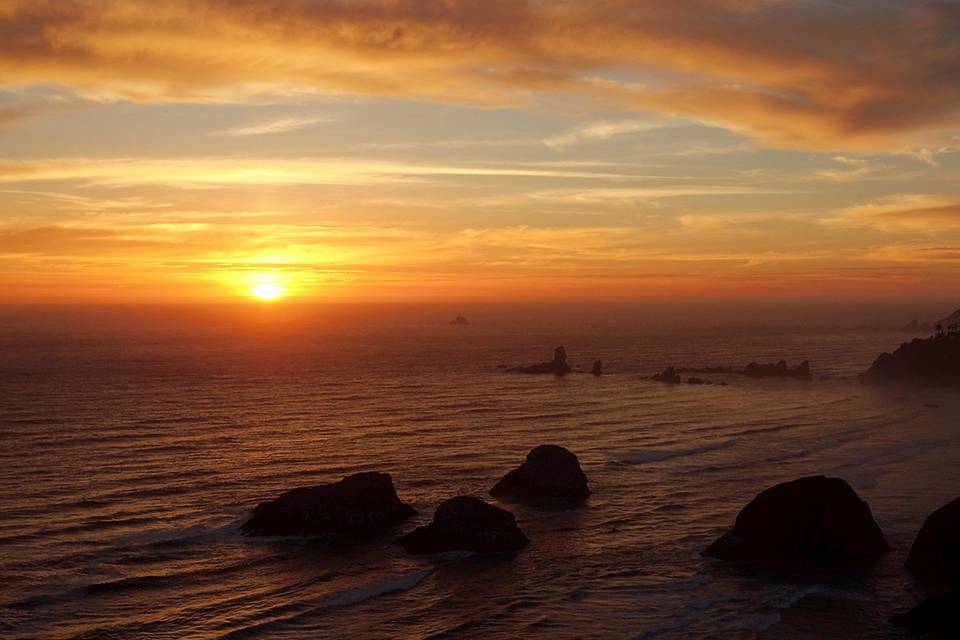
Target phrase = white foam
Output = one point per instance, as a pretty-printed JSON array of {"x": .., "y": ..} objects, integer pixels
[{"x": 390, "y": 584}]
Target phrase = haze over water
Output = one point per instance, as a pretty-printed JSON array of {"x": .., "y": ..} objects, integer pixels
[{"x": 135, "y": 440}]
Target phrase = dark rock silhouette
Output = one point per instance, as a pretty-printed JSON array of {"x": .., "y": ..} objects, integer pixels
[
  {"x": 778, "y": 370},
  {"x": 460, "y": 320},
  {"x": 811, "y": 525},
  {"x": 597, "y": 368},
  {"x": 706, "y": 370},
  {"x": 360, "y": 505},
  {"x": 915, "y": 326},
  {"x": 953, "y": 318},
  {"x": 550, "y": 473},
  {"x": 466, "y": 523},
  {"x": 669, "y": 375},
  {"x": 938, "y": 614},
  {"x": 930, "y": 361},
  {"x": 696, "y": 380},
  {"x": 557, "y": 366},
  {"x": 935, "y": 555}
]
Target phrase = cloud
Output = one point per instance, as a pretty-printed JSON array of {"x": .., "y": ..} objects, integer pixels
[
  {"x": 911, "y": 212},
  {"x": 283, "y": 125},
  {"x": 851, "y": 169},
  {"x": 793, "y": 74},
  {"x": 602, "y": 130}
]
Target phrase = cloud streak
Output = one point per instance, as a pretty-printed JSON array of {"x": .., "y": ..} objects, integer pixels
[{"x": 794, "y": 74}]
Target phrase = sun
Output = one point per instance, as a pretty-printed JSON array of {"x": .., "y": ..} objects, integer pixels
[{"x": 267, "y": 291}]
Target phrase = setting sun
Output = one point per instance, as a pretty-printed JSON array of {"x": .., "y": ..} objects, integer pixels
[{"x": 267, "y": 291}]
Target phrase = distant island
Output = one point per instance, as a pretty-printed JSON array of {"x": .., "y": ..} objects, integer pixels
[
  {"x": 934, "y": 360},
  {"x": 460, "y": 320},
  {"x": 917, "y": 326}
]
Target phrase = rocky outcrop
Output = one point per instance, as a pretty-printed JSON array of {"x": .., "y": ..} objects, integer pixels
[
  {"x": 360, "y": 505},
  {"x": 939, "y": 614},
  {"x": 778, "y": 370},
  {"x": 935, "y": 555},
  {"x": 930, "y": 361},
  {"x": 469, "y": 524},
  {"x": 597, "y": 368},
  {"x": 811, "y": 525},
  {"x": 915, "y": 326},
  {"x": 549, "y": 474},
  {"x": 460, "y": 320},
  {"x": 668, "y": 375},
  {"x": 557, "y": 366}
]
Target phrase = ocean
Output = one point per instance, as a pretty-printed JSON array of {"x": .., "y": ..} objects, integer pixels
[{"x": 135, "y": 440}]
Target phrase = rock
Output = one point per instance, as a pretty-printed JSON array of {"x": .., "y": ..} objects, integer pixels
[
  {"x": 669, "y": 375},
  {"x": 557, "y": 366},
  {"x": 360, "y": 505},
  {"x": 935, "y": 554},
  {"x": 953, "y": 318},
  {"x": 811, "y": 525},
  {"x": 597, "y": 368},
  {"x": 696, "y": 380},
  {"x": 938, "y": 614},
  {"x": 778, "y": 370},
  {"x": 469, "y": 524},
  {"x": 460, "y": 320},
  {"x": 915, "y": 326},
  {"x": 930, "y": 361},
  {"x": 550, "y": 473}
]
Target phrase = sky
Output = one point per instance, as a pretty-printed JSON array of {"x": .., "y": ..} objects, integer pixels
[{"x": 384, "y": 150}]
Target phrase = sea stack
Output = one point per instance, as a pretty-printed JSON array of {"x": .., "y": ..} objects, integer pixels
[
  {"x": 557, "y": 366},
  {"x": 550, "y": 474},
  {"x": 811, "y": 525},
  {"x": 469, "y": 524},
  {"x": 935, "y": 555},
  {"x": 668, "y": 375},
  {"x": 359, "y": 506}
]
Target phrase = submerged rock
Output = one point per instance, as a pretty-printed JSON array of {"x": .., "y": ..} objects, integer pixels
[
  {"x": 556, "y": 366},
  {"x": 360, "y": 505},
  {"x": 469, "y": 524},
  {"x": 778, "y": 370},
  {"x": 811, "y": 525},
  {"x": 938, "y": 614},
  {"x": 550, "y": 473},
  {"x": 669, "y": 375},
  {"x": 935, "y": 554},
  {"x": 597, "y": 368},
  {"x": 930, "y": 361}
]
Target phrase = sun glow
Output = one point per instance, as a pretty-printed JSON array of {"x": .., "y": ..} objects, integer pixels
[{"x": 267, "y": 291}]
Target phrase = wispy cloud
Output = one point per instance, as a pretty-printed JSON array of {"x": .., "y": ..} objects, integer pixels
[
  {"x": 282, "y": 125},
  {"x": 600, "y": 131}
]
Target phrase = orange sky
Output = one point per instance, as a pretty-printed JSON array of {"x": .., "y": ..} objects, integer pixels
[{"x": 496, "y": 149}]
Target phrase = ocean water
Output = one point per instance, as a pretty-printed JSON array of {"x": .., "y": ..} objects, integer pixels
[{"x": 133, "y": 442}]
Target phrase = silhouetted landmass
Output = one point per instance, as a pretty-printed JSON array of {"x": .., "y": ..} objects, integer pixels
[
  {"x": 778, "y": 370},
  {"x": 939, "y": 614},
  {"x": 915, "y": 326},
  {"x": 934, "y": 360},
  {"x": 668, "y": 375},
  {"x": 460, "y": 320},
  {"x": 951, "y": 319},
  {"x": 557, "y": 366},
  {"x": 469, "y": 524},
  {"x": 811, "y": 525},
  {"x": 706, "y": 370},
  {"x": 935, "y": 555},
  {"x": 360, "y": 505},
  {"x": 597, "y": 368},
  {"x": 549, "y": 474}
]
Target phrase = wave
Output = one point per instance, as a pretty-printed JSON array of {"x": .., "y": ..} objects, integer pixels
[
  {"x": 656, "y": 455},
  {"x": 390, "y": 584}
]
